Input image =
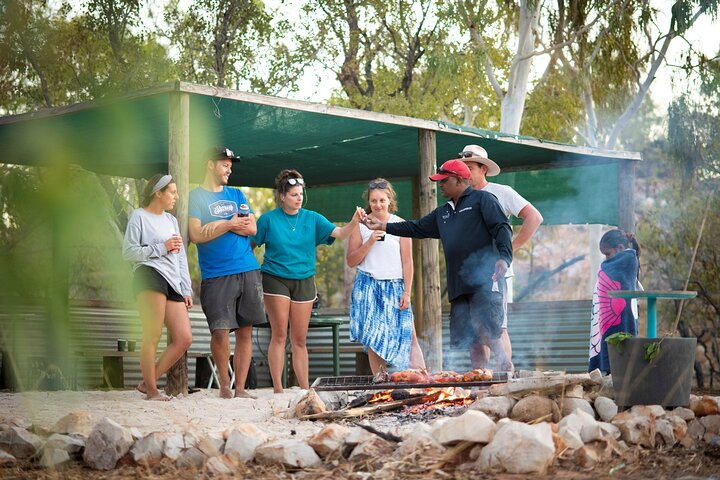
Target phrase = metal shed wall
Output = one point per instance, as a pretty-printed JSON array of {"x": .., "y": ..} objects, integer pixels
[{"x": 545, "y": 335}]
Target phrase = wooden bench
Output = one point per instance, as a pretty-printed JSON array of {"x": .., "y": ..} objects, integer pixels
[{"x": 113, "y": 365}]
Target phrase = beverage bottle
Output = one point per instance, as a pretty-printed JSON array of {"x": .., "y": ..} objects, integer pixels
[{"x": 243, "y": 210}]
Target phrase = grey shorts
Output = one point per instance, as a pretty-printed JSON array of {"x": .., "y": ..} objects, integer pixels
[
  {"x": 476, "y": 317},
  {"x": 298, "y": 291},
  {"x": 233, "y": 301}
]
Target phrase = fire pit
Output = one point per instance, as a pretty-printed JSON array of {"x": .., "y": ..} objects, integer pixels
[{"x": 365, "y": 382}]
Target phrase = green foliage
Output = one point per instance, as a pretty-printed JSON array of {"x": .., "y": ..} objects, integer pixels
[
  {"x": 617, "y": 339},
  {"x": 651, "y": 351}
]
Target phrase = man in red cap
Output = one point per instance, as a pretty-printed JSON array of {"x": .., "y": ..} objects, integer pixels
[
  {"x": 477, "y": 241},
  {"x": 512, "y": 203}
]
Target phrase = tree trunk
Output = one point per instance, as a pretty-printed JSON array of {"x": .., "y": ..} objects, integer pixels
[
  {"x": 429, "y": 322},
  {"x": 179, "y": 168},
  {"x": 513, "y": 102}
]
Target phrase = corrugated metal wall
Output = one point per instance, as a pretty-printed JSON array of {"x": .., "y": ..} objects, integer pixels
[{"x": 545, "y": 335}]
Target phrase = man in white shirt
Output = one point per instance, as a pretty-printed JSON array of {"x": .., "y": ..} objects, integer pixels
[{"x": 512, "y": 203}]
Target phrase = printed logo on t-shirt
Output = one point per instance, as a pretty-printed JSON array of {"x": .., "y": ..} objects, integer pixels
[
  {"x": 223, "y": 208},
  {"x": 464, "y": 209}
]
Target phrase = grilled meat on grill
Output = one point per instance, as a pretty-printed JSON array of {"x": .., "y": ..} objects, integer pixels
[{"x": 478, "y": 375}]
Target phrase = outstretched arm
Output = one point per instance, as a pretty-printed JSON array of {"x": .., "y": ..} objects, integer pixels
[{"x": 344, "y": 232}]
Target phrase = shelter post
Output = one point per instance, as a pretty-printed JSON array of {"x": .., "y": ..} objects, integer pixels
[
  {"x": 179, "y": 168},
  {"x": 626, "y": 204},
  {"x": 429, "y": 318}
]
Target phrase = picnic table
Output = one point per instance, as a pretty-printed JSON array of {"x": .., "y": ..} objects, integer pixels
[{"x": 652, "y": 296}]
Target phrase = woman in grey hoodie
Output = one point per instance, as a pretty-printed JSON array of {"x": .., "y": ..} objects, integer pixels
[{"x": 161, "y": 281}]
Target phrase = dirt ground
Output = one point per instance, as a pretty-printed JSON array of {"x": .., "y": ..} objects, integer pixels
[{"x": 204, "y": 412}]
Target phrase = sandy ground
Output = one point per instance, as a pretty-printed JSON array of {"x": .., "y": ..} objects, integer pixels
[{"x": 202, "y": 411}]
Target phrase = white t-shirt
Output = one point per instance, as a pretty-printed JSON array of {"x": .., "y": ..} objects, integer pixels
[
  {"x": 383, "y": 260},
  {"x": 511, "y": 203}
]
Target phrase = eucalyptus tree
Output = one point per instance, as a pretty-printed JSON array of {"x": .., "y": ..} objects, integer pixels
[{"x": 233, "y": 44}]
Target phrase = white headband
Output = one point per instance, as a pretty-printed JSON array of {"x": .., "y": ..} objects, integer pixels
[{"x": 162, "y": 183}]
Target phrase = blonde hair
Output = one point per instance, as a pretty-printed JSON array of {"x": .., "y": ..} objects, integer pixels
[{"x": 388, "y": 189}]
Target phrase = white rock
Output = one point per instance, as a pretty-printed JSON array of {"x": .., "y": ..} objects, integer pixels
[
  {"x": 583, "y": 424},
  {"x": 695, "y": 429},
  {"x": 605, "y": 408},
  {"x": 191, "y": 457},
  {"x": 212, "y": 444},
  {"x": 494, "y": 407},
  {"x": 54, "y": 457},
  {"x": 358, "y": 435},
  {"x": 375, "y": 448},
  {"x": 107, "y": 443},
  {"x": 711, "y": 424},
  {"x": 75, "y": 422},
  {"x": 220, "y": 466},
  {"x": 19, "y": 443},
  {"x": 684, "y": 413},
  {"x": 6, "y": 459},
  {"x": 419, "y": 440},
  {"x": 636, "y": 428},
  {"x": 679, "y": 426},
  {"x": 571, "y": 437},
  {"x": 533, "y": 407},
  {"x": 471, "y": 426},
  {"x": 664, "y": 429},
  {"x": 575, "y": 391},
  {"x": 176, "y": 444},
  {"x": 329, "y": 440},
  {"x": 72, "y": 445},
  {"x": 596, "y": 376},
  {"x": 609, "y": 429},
  {"x": 291, "y": 453},
  {"x": 149, "y": 449},
  {"x": 569, "y": 405},
  {"x": 519, "y": 448},
  {"x": 243, "y": 440}
]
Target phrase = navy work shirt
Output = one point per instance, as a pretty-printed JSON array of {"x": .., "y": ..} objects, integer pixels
[{"x": 475, "y": 233}]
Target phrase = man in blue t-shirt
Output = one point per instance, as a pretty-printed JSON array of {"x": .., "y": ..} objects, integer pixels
[{"x": 231, "y": 291}]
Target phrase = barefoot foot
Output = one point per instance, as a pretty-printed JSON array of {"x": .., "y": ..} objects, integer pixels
[
  {"x": 225, "y": 392},
  {"x": 244, "y": 394},
  {"x": 158, "y": 397}
]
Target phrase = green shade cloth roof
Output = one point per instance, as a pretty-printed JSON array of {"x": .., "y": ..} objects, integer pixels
[{"x": 336, "y": 149}]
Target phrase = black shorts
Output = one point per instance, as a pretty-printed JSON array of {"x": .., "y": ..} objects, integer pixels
[
  {"x": 233, "y": 301},
  {"x": 476, "y": 317},
  {"x": 147, "y": 278},
  {"x": 298, "y": 291}
]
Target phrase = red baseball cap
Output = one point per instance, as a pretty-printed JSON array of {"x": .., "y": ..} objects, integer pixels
[{"x": 451, "y": 168}]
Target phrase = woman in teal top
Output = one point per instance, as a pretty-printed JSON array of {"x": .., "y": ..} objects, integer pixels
[{"x": 290, "y": 235}]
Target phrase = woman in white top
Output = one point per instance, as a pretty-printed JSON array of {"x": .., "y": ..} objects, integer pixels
[
  {"x": 380, "y": 314},
  {"x": 161, "y": 281}
]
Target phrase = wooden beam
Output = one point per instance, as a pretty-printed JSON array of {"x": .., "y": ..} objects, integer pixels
[
  {"x": 418, "y": 305},
  {"x": 179, "y": 168},
  {"x": 430, "y": 323},
  {"x": 626, "y": 203}
]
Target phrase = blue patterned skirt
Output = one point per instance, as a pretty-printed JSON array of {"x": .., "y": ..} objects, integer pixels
[{"x": 376, "y": 320}]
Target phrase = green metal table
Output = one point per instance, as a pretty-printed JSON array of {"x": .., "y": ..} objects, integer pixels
[
  {"x": 652, "y": 296},
  {"x": 316, "y": 322}
]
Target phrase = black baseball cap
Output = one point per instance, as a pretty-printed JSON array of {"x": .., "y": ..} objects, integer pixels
[{"x": 221, "y": 153}]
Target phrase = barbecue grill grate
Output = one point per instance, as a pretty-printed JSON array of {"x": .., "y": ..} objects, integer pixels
[{"x": 365, "y": 382}]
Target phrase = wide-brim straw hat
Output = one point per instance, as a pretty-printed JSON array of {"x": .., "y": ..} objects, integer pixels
[{"x": 478, "y": 154}]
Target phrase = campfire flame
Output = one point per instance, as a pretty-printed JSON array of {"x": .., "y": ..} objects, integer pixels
[{"x": 433, "y": 398}]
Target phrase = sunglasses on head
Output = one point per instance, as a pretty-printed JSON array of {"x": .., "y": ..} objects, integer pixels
[
  {"x": 377, "y": 185},
  {"x": 447, "y": 172},
  {"x": 295, "y": 181},
  {"x": 466, "y": 154}
]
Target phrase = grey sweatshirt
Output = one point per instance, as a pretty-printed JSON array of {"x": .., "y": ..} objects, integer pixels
[{"x": 144, "y": 244}]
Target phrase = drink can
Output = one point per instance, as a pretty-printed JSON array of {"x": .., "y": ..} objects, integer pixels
[{"x": 243, "y": 210}]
